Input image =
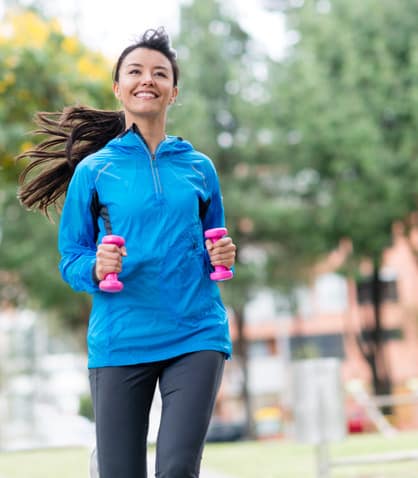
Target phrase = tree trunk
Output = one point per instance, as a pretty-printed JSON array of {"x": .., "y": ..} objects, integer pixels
[{"x": 373, "y": 342}]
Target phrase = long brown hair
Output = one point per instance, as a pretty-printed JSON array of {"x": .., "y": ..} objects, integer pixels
[
  {"x": 72, "y": 135},
  {"x": 76, "y": 132}
]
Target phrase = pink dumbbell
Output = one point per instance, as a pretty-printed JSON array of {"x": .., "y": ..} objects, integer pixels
[
  {"x": 111, "y": 283},
  {"x": 221, "y": 272}
]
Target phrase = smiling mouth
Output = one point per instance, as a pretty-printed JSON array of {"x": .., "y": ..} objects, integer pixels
[{"x": 145, "y": 95}]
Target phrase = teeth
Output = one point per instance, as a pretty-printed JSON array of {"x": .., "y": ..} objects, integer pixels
[{"x": 145, "y": 95}]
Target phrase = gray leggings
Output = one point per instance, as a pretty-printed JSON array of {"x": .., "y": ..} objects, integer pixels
[{"x": 122, "y": 399}]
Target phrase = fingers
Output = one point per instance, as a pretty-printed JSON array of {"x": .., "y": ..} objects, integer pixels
[
  {"x": 109, "y": 259},
  {"x": 222, "y": 253}
]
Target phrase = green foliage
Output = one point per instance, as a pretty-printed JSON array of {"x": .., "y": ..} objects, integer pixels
[
  {"x": 347, "y": 110},
  {"x": 210, "y": 48},
  {"x": 85, "y": 408},
  {"x": 310, "y": 150},
  {"x": 346, "y": 96},
  {"x": 221, "y": 109},
  {"x": 215, "y": 69},
  {"x": 29, "y": 253},
  {"x": 34, "y": 77}
]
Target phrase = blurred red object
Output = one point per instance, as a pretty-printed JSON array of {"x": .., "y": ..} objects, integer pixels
[{"x": 355, "y": 424}]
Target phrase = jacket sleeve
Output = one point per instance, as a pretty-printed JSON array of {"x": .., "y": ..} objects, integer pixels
[
  {"x": 76, "y": 239},
  {"x": 214, "y": 216}
]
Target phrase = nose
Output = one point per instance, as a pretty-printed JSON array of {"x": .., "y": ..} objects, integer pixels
[{"x": 147, "y": 78}]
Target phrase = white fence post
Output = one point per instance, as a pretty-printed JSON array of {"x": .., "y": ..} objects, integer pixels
[{"x": 318, "y": 406}]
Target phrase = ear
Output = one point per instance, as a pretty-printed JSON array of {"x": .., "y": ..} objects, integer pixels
[
  {"x": 116, "y": 91},
  {"x": 174, "y": 95}
]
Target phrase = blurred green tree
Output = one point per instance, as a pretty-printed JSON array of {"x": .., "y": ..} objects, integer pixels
[
  {"x": 346, "y": 114},
  {"x": 41, "y": 70},
  {"x": 222, "y": 110},
  {"x": 211, "y": 47}
]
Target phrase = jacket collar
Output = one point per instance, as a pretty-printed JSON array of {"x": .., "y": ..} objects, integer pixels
[
  {"x": 134, "y": 129},
  {"x": 130, "y": 137}
]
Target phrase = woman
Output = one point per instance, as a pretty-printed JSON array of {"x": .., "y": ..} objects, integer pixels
[{"x": 122, "y": 175}]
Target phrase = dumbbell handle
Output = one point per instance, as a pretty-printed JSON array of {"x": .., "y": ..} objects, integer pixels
[
  {"x": 221, "y": 272},
  {"x": 111, "y": 283}
]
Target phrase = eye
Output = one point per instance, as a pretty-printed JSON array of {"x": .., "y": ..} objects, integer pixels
[
  {"x": 161, "y": 74},
  {"x": 134, "y": 71}
]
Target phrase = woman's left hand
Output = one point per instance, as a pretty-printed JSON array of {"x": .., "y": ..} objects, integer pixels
[{"x": 222, "y": 253}]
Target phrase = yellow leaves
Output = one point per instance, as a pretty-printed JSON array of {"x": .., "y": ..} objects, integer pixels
[
  {"x": 55, "y": 25},
  {"x": 91, "y": 69},
  {"x": 11, "y": 61},
  {"x": 41, "y": 68},
  {"x": 25, "y": 146},
  {"x": 7, "y": 80},
  {"x": 70, "y": 45},
  {"x": 24, "y": 30},
  {"x": 28, "y": 28}
]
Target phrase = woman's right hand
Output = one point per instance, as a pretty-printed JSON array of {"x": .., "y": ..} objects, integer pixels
[{"x": 109, "y": 259}]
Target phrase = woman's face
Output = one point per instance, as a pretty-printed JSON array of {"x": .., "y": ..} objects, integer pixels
[{"x": 145, "y": 85}]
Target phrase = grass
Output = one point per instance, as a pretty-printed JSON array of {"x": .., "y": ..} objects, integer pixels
[
  {"x": 47, "y": 463},
  {"x": 285, "y": 459},
  {"x": 266, "y": 459}
]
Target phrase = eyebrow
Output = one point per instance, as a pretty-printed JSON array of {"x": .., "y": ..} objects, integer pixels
[{"x": 160, "y": 67}]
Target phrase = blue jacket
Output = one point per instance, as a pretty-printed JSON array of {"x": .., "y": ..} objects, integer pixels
[{"x": 161, "y": 205}]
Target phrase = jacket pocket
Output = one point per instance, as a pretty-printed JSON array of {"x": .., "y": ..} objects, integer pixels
[{"x": 184, "y": 271}]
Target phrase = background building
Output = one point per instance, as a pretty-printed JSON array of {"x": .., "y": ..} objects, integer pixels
[{"x": 331, "y": 320}]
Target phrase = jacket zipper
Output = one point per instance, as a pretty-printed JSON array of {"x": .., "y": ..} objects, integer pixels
[
  {"x": 155, "y": 174},
  {"x": 153, "y": 166}
]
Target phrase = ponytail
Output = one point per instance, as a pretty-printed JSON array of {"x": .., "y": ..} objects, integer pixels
[{"x": 72, "y": 134}]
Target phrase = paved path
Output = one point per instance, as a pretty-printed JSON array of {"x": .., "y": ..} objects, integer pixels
[{"x": 204, "y": 473}]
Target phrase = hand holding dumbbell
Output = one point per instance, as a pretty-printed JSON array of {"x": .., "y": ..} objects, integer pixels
[
  {"x": 221, "y": 273},
  {"x": 111, "y": 283}
]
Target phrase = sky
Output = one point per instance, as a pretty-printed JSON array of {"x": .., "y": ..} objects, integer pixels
[{"x": 109, "y": 26}]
